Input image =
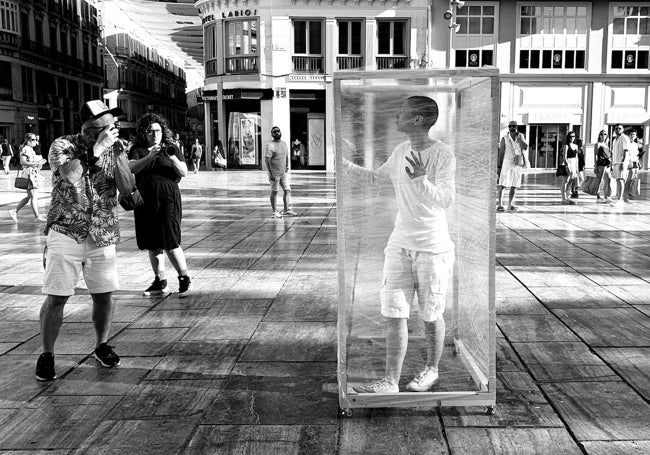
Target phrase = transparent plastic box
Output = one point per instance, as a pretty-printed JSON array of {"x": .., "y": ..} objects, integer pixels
[{"x": 367, "y": 106}]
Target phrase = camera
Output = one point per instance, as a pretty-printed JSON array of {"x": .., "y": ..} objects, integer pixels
[{"x": 170, "y": 149}]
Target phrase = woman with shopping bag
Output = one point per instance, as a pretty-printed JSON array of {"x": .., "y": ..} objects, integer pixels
[{"x": 31, "y": 163}]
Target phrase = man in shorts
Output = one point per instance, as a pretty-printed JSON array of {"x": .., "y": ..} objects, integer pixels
[
  {"x": 620, "y": 161},
  {"x": 419, "y": 257},
  {"x": 276, "y": 156},
  {"x": 82, "y": 228}
]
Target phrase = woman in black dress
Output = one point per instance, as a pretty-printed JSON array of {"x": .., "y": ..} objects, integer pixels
[{"x": 158, "y": 166}]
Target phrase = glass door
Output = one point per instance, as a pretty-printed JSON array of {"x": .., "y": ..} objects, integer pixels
[{"x": 545, "y": 141}]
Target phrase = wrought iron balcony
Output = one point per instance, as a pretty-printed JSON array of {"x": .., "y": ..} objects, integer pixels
[
  {"x": 350, "y": 62},
  {"x": 386, "y": 63},
  {"x": 308, "y": 64},
  {"x": 241, "y": 65}
]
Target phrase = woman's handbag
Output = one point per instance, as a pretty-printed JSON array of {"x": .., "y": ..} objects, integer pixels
[
  {"x": 562, "y": 170},
  {"x": 519, "y": 159},
  {"x": 21, "y": 182},
  {"x": 130, "y": 201}
]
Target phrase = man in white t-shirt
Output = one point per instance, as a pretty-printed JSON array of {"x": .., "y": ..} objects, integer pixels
[
  {"x": 276, "y": 157},
  {"x": 419, "y": 256},
  {"x": 620, "y": 161}
]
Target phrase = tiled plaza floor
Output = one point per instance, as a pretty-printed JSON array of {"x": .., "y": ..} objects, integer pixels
[{"x": 247, "y": 363}]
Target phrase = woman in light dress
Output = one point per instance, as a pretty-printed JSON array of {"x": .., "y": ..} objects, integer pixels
[{"x": 31, "y": 163}]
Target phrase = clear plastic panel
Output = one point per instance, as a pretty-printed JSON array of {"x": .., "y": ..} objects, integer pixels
[{"x": 399, "y": 234}]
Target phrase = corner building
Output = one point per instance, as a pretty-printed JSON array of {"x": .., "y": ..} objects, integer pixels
[{"x": 270, "y": 63}]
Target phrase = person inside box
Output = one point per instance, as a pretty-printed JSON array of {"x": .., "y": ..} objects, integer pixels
[{"x": 419, "y": 257}]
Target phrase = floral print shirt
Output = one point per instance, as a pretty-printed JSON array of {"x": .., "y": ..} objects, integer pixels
[{"x": 90, "y": 209}]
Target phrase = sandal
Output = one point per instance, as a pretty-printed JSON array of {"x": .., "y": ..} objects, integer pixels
[{"x": 500, "y": 209}]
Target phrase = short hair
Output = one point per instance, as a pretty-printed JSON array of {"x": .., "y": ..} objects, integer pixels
[{"x": 426, "y": 107}]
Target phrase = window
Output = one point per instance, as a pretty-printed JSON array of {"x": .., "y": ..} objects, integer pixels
[
  {"x": 392, "y": 44},
  {"x": 27, "y": 75},
  {"x": 63, "y": 40},
  {"x": 552, "y": 37},
  {"x": 53, "y": 38},
  {"x": 351, "y": 42},
  {"x": 210, "y": 46},
  {"x": 24, "y": 26},
  {"x": 241, "y": 46},
  {"x": 38, "y": 31},
  {"x": 9, "y": 16},
  {"x": 475, "y": 41},
  {"x": 630, "y": 34},
  {"x": 308, "y": 46}
]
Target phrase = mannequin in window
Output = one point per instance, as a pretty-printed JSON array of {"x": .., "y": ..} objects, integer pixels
[{"x": 297, "y": 154}]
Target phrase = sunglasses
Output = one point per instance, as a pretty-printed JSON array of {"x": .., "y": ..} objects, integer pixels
[{"x": 512, "y": 126}]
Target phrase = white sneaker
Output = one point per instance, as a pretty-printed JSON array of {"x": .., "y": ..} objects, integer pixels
[
  {"x": 13, "y": 215},
  {"x": 289, "y": 212},
  {"x": 276, "y": 214},
  {"x": 383, "y": 385},
  {"x": 423, "y": 381}
]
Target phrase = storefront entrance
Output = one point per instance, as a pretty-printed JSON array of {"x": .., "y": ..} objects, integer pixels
[
  {"x": 243, "y": 146},
  {"x": 307, "y": 109},
  {"x": 544, "y": 143}
]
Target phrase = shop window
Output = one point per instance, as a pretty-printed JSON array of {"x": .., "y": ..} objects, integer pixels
[
  {"x": 552, "y": 36},
  {"x": 351, "y": 43},
  {"x": 545, "y": 142},
  {"x": 392, "y": 44},
  {"x": 242, "y": 46},
  {"x": 475, "y": 40},
  {"x": 308, "y": 46}
]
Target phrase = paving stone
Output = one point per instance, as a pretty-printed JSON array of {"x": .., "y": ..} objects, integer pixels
[
  {"x": 392, "y": 431},
  {"x": 511, "y": 441},
  {"x": 250, "y": 400},
  {"x": 56, "y": 422},
  {"x": 617, "y": 447},
  {"x": 264, "y": 439},
  {"x": 593, "y": 296},
  {"x": 615, "y": 327},
  {"x": 600, "y": 410},
  {"x": 144, "y": 437},
  {"x": 534, "y": 327},
  {"x": 633, "y": 364},
  {"x": 563, "y": 362}
]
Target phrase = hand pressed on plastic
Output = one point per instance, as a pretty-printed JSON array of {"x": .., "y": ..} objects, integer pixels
[{"x": 419, "y": 168}]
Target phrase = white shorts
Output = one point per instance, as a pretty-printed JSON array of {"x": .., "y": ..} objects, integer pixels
[
  {"x": 65, "y": 259},
  {"x": 407, "y": 272}
]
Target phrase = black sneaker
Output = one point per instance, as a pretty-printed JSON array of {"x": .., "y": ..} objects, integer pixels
[
  {"x": 106, "y": 356},
  {"x": 184, "y": 286},
  {"x": 158, "y": 287},
  {"x": 45, "y": 367}
]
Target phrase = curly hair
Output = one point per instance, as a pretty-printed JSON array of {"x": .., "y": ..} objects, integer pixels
[{"x": 143, "y": 124}]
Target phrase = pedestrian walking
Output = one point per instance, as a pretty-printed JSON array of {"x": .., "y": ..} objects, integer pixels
[
  {"x": 31, "y": 166},
  {"x": 603, "y": 160},
  {"x": 197, "y": 152},
  {"x": 7, "y": 153},
  {"x": 568, "y": 160},
  {"x": 82, "y": 229},
  {"x": 158, "y": 166},
  {"x": 512, "y": 162},
  {"x": 620, "y": 162},
  {"x": 276, "y": 156}
]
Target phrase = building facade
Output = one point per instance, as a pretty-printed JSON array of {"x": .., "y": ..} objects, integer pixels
[
  {"x": 49, "y": 62},
  {"x": 271, "y": 62},
  {"x": 140, "y": 80},
  {"x": 565, "y": 66}
]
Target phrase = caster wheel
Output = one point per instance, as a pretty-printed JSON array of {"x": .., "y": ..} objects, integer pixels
[
  {"x": 490, "y": 410},
  {"x": 347, "y": 412}
]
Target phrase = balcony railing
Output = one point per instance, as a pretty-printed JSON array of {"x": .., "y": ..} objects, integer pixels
[
  {"x": 386, "y": 63},
  {"x": 8, "y": 39},
  {"x": 211, "y": 68},
  {"x": 241, "y": 65},
  {"x": 350, "y": 62},
  {"x": 305, "y": 64}
]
